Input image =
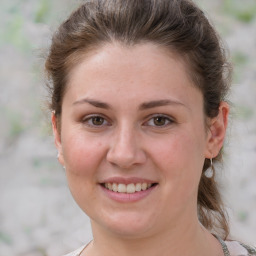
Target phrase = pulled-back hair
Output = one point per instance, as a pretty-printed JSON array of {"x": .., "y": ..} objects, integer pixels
[{"x": 177, "y": 25}]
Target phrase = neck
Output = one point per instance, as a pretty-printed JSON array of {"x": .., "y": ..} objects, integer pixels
[{"x": 190, "y": 239}]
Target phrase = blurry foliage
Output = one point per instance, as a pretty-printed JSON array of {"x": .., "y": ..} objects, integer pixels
[
  {"x": 239, "y": 60},
  {"x": 49, "y": 181},
  {"x": 43, "y": 11},
  {"x": 42, "y": 251},
  {"x": 244, "y": 112},
  {"x": 21, "y": 14},
  {"x": 245, "y": 10},
  {"x": 45, "y": 163},
  {"x": 37, "y": 163},
  {"x": 243, "y": 216},
  {"x": 46, "y": 181},
  {"x": 28, "y": 230},
  {"x": 16, "y": 124},
  {"x": 13, "y": 33},
  {"x": 16, "y": 128},
  {"x": 5, "y": 238}
]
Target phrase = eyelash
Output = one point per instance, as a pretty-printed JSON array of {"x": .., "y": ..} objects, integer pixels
[
  {"x": 88, "y": 120},
  {"x": 166, "y": 119}
]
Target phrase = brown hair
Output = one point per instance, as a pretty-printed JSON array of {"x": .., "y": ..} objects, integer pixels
[{"x": 178, "y": 25}]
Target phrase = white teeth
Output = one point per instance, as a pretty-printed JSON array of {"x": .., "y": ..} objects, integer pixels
[
  {"x": 114, "y": 187},
  {"x": 109, "y": 185},
  {"x": 138, "y": 187},
  {"x": 121, "y": 188},
  {"x": 144, "y": 186},
  {"x": 129, "y": 188}
]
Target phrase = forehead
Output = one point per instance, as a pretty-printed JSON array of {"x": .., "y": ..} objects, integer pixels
[{"x": 144, "y": 69}]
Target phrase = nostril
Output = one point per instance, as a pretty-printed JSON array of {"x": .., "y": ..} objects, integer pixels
[{"x": 126, "y": 156}]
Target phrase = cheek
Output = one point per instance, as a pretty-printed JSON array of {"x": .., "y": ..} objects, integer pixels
[
  {"x": 180, "y": 158},
  {"x": 179, "y": 150},
  {"x": 82, "y": 154},
  {"x": 82, "y": 157}
]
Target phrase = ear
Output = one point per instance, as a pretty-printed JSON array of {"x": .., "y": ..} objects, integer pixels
[
  {"x": 57, "y": 138},
  {"x": 217, "y": 131}
]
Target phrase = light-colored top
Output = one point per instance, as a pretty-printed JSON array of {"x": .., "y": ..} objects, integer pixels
[
  {"x": 76, "y": 252},
  {"x": 238, "y": 249},
  {"x": 234, "y": 248}
]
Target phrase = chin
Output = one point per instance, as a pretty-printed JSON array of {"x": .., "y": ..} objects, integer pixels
[{"x": 127, "y": 225}]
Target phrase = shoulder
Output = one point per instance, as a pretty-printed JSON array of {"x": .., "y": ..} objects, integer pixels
[
  {"x": 76, "y": 252},
  {"x": 239, "y": 249}
]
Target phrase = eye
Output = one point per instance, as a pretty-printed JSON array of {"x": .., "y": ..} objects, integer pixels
[
  {"x": 95, "y": 121},
  {"x": 159, "y": 121}
]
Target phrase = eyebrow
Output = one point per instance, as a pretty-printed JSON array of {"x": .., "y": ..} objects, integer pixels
[
  {"x": 143, "y": 106},
  {"x": 159, "y": 103},
  {"x": 95, "y": 103}
]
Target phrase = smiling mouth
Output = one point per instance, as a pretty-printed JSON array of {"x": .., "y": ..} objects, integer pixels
[{"x": 129, "y": 188}]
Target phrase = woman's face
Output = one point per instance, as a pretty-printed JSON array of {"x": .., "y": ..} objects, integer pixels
[{"x": 132, "y": 121}]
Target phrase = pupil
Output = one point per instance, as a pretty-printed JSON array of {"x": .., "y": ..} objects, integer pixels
[
  {"x": 97, "y": 120},
  {"x": 159, "y": 121}
]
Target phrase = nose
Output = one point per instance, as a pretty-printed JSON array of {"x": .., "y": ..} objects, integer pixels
[{"x": 125, "y": 150}]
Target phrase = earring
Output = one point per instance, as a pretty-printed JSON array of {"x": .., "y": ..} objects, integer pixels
[
  {"x": 210, "y": 171},
  {"x": 58, "y": 155}
]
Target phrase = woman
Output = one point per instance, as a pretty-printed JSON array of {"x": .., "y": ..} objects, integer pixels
[{"x": 139, "y": 117}]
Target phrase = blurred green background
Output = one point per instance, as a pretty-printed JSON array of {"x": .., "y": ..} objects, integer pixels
[{"x": 37, "y": 213}]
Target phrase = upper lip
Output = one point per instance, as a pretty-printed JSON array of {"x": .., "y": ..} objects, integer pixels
[{"x": 122, "y": 180}]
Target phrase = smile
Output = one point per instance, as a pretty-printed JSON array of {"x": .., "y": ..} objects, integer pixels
[{"x": 129, "y": 188}]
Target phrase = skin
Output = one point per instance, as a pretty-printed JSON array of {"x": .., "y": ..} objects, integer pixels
[{"x": 129, "y": 142}]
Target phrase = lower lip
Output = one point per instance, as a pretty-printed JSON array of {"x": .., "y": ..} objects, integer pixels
[{"x": 128, "y": 197}]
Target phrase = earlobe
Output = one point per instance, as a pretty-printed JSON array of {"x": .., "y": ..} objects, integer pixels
[
  {"x": 57, "y": 138},
  {"x": 217, "y": 131}
]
